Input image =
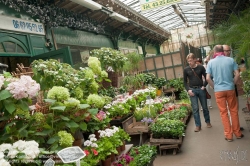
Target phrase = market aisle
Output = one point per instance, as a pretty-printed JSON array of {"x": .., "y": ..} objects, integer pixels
[{"x": 208, "y": 147}]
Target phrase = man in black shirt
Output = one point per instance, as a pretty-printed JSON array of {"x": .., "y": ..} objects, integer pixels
[{"x": 195, "y": 87}]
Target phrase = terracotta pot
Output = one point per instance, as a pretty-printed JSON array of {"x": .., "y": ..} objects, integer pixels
[
  {"x": 97, "y": 135},
  {"x": 78, "y": 142},
  {"x": 112, "y": 156},
  {"x": 123, "y": 146},
  {"x": 118, "y": 150},
  {"x": 159, "y": 92},
  {"x": 107, "y": 161},
  {"x": 248, "y": 107}
]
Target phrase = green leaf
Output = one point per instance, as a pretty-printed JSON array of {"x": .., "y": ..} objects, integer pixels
[
  {"x": 53, "y": 139},
  {"x": 64, "y": 118},
  {"x": 22, "y": 128},
  {"x": 93, "y": 111},
  {"x": 44, "y": 132},
  {"x": 83, "y": 106},
  {"x": 4, "y": 94},
  {"x": 62, "y": 108},
  {"x": 23, "y": 133},
  {"x": 107, "y": 80},
  {"x": 72, "y": 124},
  {"x": 9, "y": 105},
  {"x": 83, "y": 126},
  {"x": 50, "y": 101},
  {"x": 23, "y": 105},
  {"x": 54, "y": 147}
]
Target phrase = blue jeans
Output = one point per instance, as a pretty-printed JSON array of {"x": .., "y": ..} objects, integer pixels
[{"x": 201, "y": 95}]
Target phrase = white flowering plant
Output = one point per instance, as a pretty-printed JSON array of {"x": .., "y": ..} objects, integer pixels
[
  {"x": 80, "y": 82},
  {"x": 20, "y": 152}
]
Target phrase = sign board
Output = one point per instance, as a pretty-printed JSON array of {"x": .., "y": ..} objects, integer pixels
[
  {"x": 49, "y": 162},
  {"x": 19, "y": 25},
  {"x": 71, "y": 154},
  {"x": 152, "y": 4}
]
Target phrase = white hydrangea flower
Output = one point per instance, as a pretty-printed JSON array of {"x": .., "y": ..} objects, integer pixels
[
  {"x": 1, "y": 155},
  {"x": 3, "y": 162},
  {"x": 4, "y": 147},
  {"x": 20, "y": 145},
  {"x": 12, "y": 153}
]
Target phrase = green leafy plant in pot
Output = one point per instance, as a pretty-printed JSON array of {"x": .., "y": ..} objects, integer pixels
[{"x": 160, "y": 82}]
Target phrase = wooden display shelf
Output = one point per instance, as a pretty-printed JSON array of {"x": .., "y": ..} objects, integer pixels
[
  {"x": 160, "y": 141},
  {"x": 132, "y": 127}
]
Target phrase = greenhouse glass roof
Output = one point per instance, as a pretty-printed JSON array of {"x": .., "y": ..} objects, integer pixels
[{"x": 177, "y": 15}]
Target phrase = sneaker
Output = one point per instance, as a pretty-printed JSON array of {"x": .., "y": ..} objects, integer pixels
[
  {"x": 209, "y": 125},
  {"x": 240, "y": 136}
]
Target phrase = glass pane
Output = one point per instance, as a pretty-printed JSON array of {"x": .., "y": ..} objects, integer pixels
[
  {"x": 20, "y": 49},
  {"x": 1, "y": 48},
  {"x": 10, "y": 46}
]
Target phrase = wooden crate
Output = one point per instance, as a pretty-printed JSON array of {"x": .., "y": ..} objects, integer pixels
[
  {"x": 160, "y": 141},
  {"x": 132, "y": 127}
]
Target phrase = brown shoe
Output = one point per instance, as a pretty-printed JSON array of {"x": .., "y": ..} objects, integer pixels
[
  {"x": 209, "y": 125},
  {"x": 197, "y": 129}
]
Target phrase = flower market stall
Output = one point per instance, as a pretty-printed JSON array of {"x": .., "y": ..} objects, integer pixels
[{"x": 69, "y": 114}]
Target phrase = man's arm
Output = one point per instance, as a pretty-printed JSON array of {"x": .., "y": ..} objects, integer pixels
[
  {"x": 236, "y": 76},
  {"x": 185, "y": 80},
  {"x": 209, "y": 80}
]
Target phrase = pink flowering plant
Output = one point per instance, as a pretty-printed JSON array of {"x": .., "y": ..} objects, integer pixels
[{"x": 15, "y": 98}]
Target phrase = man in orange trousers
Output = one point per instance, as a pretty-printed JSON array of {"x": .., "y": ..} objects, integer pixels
[{"x": 225, "y": 74}]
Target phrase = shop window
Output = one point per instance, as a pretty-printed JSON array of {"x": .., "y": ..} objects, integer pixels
[{"x": 11, "y": 47}]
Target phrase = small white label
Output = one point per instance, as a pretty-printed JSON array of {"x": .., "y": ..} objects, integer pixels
[
  {"x": 49, "y": 162},
  {"x": 71, "y": 154}
]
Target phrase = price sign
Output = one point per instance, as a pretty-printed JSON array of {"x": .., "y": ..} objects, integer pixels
[
  {"x": 71, "y": 154},
  {"x": 49, "y": 162},
  {"x": 152, "y": 4}
]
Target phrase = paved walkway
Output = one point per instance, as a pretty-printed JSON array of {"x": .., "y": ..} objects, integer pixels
[{"x": 208, "y": 147}]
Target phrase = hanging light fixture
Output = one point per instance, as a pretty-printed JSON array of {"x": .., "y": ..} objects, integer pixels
[
  {"x": 118, "y": 17},
  {"x": 88, "y": 4}
]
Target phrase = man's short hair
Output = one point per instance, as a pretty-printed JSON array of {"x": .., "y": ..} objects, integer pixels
[
  {"x": 218, "y": 48},
  {"x": 190, "y": 55}
]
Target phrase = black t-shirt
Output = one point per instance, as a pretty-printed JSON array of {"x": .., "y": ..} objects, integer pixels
[{"x": 190, "y": 79}]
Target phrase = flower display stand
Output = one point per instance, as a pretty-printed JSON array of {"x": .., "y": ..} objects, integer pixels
[
  {"x": 164, "y": 144},
  {"x": 118, "y": 122},
  {"x": 132, "y": 127},
  {"x": 21, "y": 70}
]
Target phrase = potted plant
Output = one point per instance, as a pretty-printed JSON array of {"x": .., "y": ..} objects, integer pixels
[
  {"x": 149, "y": 78},
  {"x": 132, "y": 63},
  {"x": 15, "y": 98},
  {"x": 159, "y": 83},
  {"x": 167, "y": 129},
  {"x": 109, "y": 58},
  {"x": 25, "y": 152},
  {"x": 143, "y": 155}
]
